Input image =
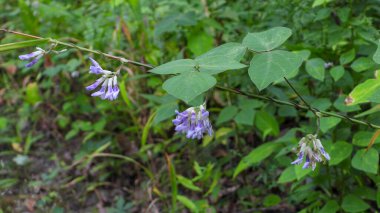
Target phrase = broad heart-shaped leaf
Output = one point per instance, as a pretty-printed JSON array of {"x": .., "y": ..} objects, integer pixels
[
  {"x": 189, "y": 85},
  {"x": 362, "y": 64},
  {"x": 227, "y": 114},
  {"x": 363, "y": 92},
  {"x": 174, "y": 67},
  {"x": 255, "y": 156},
  {"x": 267, "y": 124},
  {"x": 363, "y": 138},
  {"x": 347, "y": 57},
  {"x": 267, "y": 40},
  {"x": 352, "y": 203},
  {"x": 288, "y": 175},
  {"x": 329, "y": 122},
  {"x": 230, "y": 50},
  {"x": 316, "y": 68},
  {"x": 366, "y": 161},
  {"x": 339, "y": 151},
  {"x": 165, "y": 111},
  {"x": 215, "y": 65},
  {"x": 331, "y": 207},
  {"x": 376, "y": 56},
  {"x": 269, "y": 67},
  {"x": 245, "y": 116},
  {"x": 337, "y": 72}
]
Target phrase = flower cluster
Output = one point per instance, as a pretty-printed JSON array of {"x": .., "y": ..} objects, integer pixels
[
  {"x": 311, "y": 148},
  {"x": 193, "y": 122},
  {"x": 36, "y": 55},
  {"x": 109, "y": 89}
]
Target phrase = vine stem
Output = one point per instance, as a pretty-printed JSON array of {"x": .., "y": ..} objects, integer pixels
[
  {"x": 299, "y": 106},
  {"x": 306, "y": 107},
  {"x": 54, "y": 41},
  {"x": 315, "y": 111}
]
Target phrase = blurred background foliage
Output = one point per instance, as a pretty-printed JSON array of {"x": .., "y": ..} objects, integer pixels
[{"x": 64, "y": 151}]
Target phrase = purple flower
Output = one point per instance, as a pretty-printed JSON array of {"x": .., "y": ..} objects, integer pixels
[
  {"x": 193, "y": 122},
  {"x": 95, "y": 67},
  {"x": 36, "y": 55},
  {"x": 109, "y": 89},
  {"x": 311, "y": 148}
]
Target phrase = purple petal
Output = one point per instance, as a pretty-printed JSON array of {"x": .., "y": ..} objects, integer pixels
[
  {"x": 30, "y": 55},
  {"x": 306, "y": 165},
  {"x": 100, "y": 92},
  {"x": 115, "y": 92},
  {"x": 33, "y": 62},
  {"x": 95, "y": 68},
  {"x": 95, "y": 84},
  {"x": 298, "y": 160}
]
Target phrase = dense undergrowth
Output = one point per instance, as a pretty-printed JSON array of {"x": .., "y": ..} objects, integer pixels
[{"x": 62, "y": 150}]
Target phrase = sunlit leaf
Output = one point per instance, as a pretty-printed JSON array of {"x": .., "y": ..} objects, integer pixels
[
  {"x": 189, "y": 85},
  {"x": 268, "y": 67},
  {"x": 267, "y": 40}
]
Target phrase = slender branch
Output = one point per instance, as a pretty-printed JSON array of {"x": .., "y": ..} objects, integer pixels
[
  {"x": 298, "y": 106},
  {"x": 54, "y": 41},
  {"x": 315, "y": 111},
  {"x": 255, "y": 96}
]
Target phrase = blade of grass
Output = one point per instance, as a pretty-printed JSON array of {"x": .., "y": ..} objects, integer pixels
[
  {"x": 173, "y": 182},
  {"x": 146, "y": 129},
  {"x": 22, "y": 44}
]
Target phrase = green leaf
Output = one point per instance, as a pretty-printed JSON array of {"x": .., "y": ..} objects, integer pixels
[
  {"x": 189, "y": 85},
  {"x": 363, "y": 92},
  {"x": 288, "y": 175},
  {"x": 173, "y": 182},
  {"x": 147, "y": 126},
  {"x": 337, "y": 72},
  {"x": 231, "y": 50},
  {"x": 376, "y": 56},
  {"x": 300, "y": 172},
  {"x": 246, "y": 116},
  {"x": 3, "y": 123},
  {"x": 226, "y": 114},
  {"x": 351, "y": 203},
  {"x": 378, "y": 198},
  {"x": 267, "y": 40},
  {"x": 174, "y": 67},
  {"x": 271, "y": 200},
  {"x": 316, "y": 68},
  {"x": 255, "y": 156},
  {"x": 164, "y": 112},
  {"x": 22, "y": 44},
  {"x": 32, "y": 94},
  {"x": 267, "y": 124},
  {"x": 266, "y": 68},
  {"x": 342, "y": 107},
  {"x": 188, "y": 203},
  {"x": 188, "y": 183},
  {"x": 6, "y": 183},
  {"x": 317, "y": 3},
  {"x": 328, "y": 122},
  {"x": 366, "y": 161},
  {"x": 339, "y": 152},
  {"x": 199, "y": 42},
  {"x": 215, "y": 65},
  {"x": 363, "y": 138},
  {"x": 362, "y": 64},
  {"x": 304, "y": 54},
  {"x": 347, "y": 57},
  {"x": 331, "y": 207}
]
